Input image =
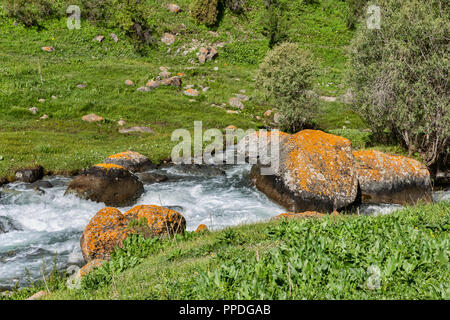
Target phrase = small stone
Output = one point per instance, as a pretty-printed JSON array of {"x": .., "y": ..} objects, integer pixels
[
  {"x": 168, "y": 38},
  {"x": 206, "y": 54},
  {"x": 38, "y": 295},
  {"x": 81, "y": 86},
  {"x": 165, "y": 75},
  {"x": 231, "y": 127},
  {"x": 121, "y": 122},
  {"x": 191, "y": 92},
  {"x": 33, "y": 110},
  {"x": 153, "y": 84},
  {"x": 143, "y": 89},
  {"x": 232, "y": 112},
  {"x": 242, "y": 91},
  {"x": 242, "y": 97},
  {"x": 129, "y": 83},
  {"x": 173, "y": 7},
  {"x": 236, "y": 102},
  {"x": 172, "y": 81},
  {"x": 268, "y": 113},
  {"x": 48, "y": 49},
  {"x": 163, "y": 69},
  {"x": 54, "y": 97},
  {"x": 189, "y": 86},
  {"x": 277, "y": 118},
  {"x": 92, "y": 117},
  {"x": 44, "y": 117},
  {"x": 181, "y": 74},
  {"x": 99, "y": 38},
  {"x": 137, "y": 129},
  {"x": 216, "y": 68},
  {"x": 114, "y": 37},
  {"x": 41, "y": 100},
  {"x": 205, "y": 89}
]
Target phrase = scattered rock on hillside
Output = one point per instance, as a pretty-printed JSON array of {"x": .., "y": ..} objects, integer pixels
[
  {"x": 164, "y": 75},
  {"x": 99, "y": 38},
  {"x": 388, "y": 178},
  {"x": 232, "y": 111},
  {"x": 268, "y": 113},
  {"x": 153, "y": 84},
  {"x": 92, "y": 117},
  {"x": 242, "y": 97},
  {"x": 33, "y": 110},
  {"x": 191, "y": 92},
  {"x": 130, "y": 160},
  {"x": 235, "y": 102},
  {"x": 129, "y": 83},
  {"x": 168, "y": 38},
  {"x": 293, "y": 215},
  {"x": 173, "y": 7},
  {"x": 316, "y": 172},
  {"x": 143, "y": 89},
  {"x": 30, "y": 175},
  {"x": 114, "y": 37},
  {"x": 172, "y": 81},
  {"x": 41, "y": 100},
  {"x": 81, "y": 86},
  {"x": 48, "y": 49},
  {"x": 108, "y": 183},
  {"x": 121, "y": 122},
  {"x": 207, "y": 54},
  {"x": 137, "y": 129},
  {"x": 44, "y": 117}
]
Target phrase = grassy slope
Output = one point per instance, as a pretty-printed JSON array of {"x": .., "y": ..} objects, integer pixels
[
  {"x": 327, "y": 259},
  {"x": 64, "y": 143}
]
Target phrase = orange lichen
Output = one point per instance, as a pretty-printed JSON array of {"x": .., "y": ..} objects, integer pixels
[
  {"x": 108, "y": 166},
  {"x": 294, "y": 215},
  {"x": 201, "y": 228},
  {"x": 127, "y": 155},
  {"x": 160, "y": 220},
  {"x": 106, "y": 230},
  {"x": 321, "y": 163}
]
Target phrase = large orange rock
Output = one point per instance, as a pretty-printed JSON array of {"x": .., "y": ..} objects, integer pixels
[
  {"x": 90, "y": 266},
  {"x": 109, "y": 183},
  {"x": 131, "y": 160},
  {"x": 106, "y": 231},
  {"x": 391, "y": 179},
  {"x": 201, "y": 228},
  {"x": 316, "y": 172},
  {"x": 160, "y": 221}
]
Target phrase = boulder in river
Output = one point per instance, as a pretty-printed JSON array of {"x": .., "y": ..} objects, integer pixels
[
  {"x": 109, "y": 227},
  {"x": 109, "y": 183},
  {"x": 30, "y": 175},
  {"x": 106, "y": 231},
  {"x": 316, "y": 172},
  {"x": 150, "y": 177},
  {"x": 131, "y": 160},
  {"x": 385, "y": 178}
]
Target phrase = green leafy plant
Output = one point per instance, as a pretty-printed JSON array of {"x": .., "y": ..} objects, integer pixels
[
  {"x": 32, "y": 12},
  {"x": 205, "y": 11}
]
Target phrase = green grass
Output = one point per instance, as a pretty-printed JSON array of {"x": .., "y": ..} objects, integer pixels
[
  {"x": 325, "y": 258},
  {"x": 65, "y": 144}
]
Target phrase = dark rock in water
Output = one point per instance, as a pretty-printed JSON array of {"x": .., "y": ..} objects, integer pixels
[
  {"x": 386, "y": 178},
  {"x": 316, "y": 172},
  {"x": 133, "y": 161},
  {"x": 175, "y": 208},
  {"x": 149, "y": 177},
  {"x": 3, "y": 181},
  {"x": 7, "y": 225},
  {"x": 30, "y": 174},
  {"x": 109, "y": 183},
  {"x": 200, "y": 169},
  {"x": 42, "y": 184},
  {"x": 39, "y": 191}
]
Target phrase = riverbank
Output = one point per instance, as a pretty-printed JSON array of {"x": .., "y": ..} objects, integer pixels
[{"x": 398, "y": 256}]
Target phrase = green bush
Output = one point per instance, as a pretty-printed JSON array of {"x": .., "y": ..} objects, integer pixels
[
  {"x": 205, "y": 11},
  {"x": 251, "y": 52},
  {"x": 32, "y": 12},
  {"x": 275, "y": 24},
  {"x": 285, "y": 79},
  {"x": 400, "y": 75},
  {"x": 355, "y": 11}
]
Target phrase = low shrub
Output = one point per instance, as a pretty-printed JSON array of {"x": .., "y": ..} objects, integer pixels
[
  {"x": 32, "y": 12},
  {"x": 205, "y": 11}
]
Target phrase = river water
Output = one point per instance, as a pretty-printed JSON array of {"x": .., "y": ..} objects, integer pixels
[{"x": 36, "y": 226}]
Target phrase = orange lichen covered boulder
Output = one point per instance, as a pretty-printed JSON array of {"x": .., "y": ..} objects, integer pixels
[
  {"x": 294, "y": 215},
  {"x": 391, "y": 179},
  {"x": 259, "y": 144},
  {"x": 133, "y": 161},
  {"x": 160, "y": 221},
  {"x": 109, "y": 183},
  {"x": 201, "y": 228},
  {"x": 106, "y": 230},
  {"x": 316, "y": 172}
]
